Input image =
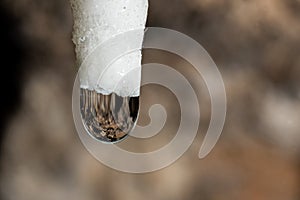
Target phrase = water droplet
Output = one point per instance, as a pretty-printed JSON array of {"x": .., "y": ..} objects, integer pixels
[
  {"x": 108, "y": 118},
  {"x": 82, "y": 39}
]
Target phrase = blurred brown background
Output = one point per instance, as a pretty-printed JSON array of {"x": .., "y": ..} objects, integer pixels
[{"x": 254, "y": 43}]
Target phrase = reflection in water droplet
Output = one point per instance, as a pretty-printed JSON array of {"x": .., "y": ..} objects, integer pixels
[{"x": 108, "y": 118}]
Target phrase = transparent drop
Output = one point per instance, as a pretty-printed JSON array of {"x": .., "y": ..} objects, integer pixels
[{"x": 108, "y": 118}]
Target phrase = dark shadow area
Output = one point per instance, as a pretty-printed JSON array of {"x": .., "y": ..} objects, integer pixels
[{"x": 12, "y": 57}]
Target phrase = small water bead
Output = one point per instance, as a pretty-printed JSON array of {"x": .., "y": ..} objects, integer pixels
[
  {"x": 82, "y": 39},
  {"x": 108, "y": 118}
]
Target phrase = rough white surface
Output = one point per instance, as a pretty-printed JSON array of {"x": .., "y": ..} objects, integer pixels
[{"x": 99, "y": 21}]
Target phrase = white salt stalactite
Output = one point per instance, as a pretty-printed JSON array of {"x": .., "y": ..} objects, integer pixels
[{"x": 98, "y": 21}]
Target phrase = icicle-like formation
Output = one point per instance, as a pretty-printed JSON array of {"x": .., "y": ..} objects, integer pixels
[{"x": 98, "y": 21}]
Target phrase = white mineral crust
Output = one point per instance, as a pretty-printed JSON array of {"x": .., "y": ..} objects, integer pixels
[{"x": 96, "y": 24}]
